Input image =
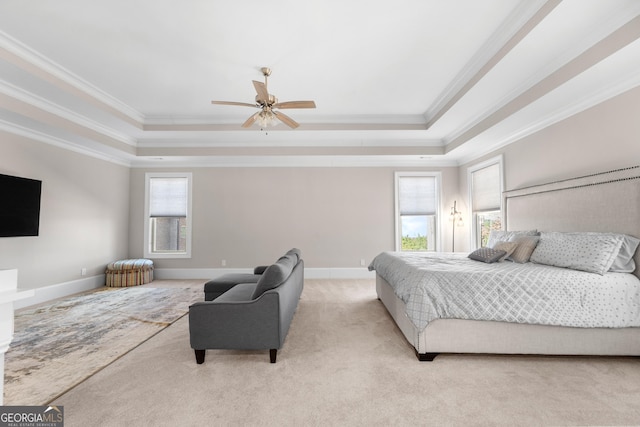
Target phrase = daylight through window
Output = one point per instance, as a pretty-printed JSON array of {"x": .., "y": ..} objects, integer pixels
[
  {"x": 486, "y": 201},
  {"x": 168, "y": 220},
  {"x": 416, "y": 212}
]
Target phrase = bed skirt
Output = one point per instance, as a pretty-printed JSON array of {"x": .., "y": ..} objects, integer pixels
[{"x": 474, "y": 336}]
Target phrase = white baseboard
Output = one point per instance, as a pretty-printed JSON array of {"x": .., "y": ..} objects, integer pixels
[
  {"x": 48, "y": 293},
  {"x": 309, "y": 273},
  {"x": 195, "y": 273}
]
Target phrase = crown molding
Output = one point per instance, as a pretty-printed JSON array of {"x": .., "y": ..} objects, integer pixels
[
  {"x": 60, "y": 143},
  {"x": 64, "y": 113},
  {"x": 599, "y": 34},
  {"x": 328, "y": 161},
  {"x": 589, "y": 57},
  {"x": 248, "y": 161},
  {"x": 309, "y": 140},
  {"x": 304, "y": 127},
  {"x": 416, "y": 121},
  {"x": 495, "y": 45},
  {"x": 42, "y": 64},
  {"x": 610, "y": 91}
]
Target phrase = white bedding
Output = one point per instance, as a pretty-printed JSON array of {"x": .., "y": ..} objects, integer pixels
[{"x": 445, "y": 285}]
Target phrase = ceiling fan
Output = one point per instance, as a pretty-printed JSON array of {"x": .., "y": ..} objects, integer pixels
[{"x": 268, "y": 104}]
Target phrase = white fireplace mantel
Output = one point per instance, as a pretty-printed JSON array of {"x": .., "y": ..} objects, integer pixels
[{"x": 8, "y": 294}]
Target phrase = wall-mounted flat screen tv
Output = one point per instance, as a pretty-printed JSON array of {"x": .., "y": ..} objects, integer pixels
[{"x": 19, "y": 206}]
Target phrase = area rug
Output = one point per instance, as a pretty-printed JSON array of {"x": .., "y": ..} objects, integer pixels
[{"x": 58, "y": 345}]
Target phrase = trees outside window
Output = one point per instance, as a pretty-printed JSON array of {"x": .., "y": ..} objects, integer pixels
[
  {"x": 417, "y": 199},
  {"x": 485, "y": 182}
]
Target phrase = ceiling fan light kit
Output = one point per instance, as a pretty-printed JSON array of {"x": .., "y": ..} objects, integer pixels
[
  {"x": 267, "y": 104},
  {"x": 266, "y": 118}
]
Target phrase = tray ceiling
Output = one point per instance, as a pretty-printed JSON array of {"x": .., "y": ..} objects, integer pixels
[{"x": 403, "y": 83}]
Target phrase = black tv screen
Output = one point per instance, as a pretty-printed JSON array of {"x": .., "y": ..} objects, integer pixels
[{"x": 19, "y": 206}]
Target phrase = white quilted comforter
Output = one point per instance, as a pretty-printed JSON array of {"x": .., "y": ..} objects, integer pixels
[{"x": 445, "y": 285}]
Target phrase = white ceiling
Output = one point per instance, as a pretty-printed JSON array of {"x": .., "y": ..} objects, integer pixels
[{"x": 406, "y": 83}]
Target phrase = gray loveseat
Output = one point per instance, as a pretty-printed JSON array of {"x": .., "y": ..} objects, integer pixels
[{"x": 250, "y": 316}]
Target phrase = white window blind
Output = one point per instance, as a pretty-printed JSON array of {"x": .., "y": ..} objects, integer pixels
[
  {"x": 168, "y": 197},
  {"x": 485, "y": 185},
  {"x": 417, "y": 195}
]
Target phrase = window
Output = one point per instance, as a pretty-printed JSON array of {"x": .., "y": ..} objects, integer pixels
[
  {"x": 168, "y": 215},
  {"x": 417, "y": 201},
  {"x": 486, "y": 200}
]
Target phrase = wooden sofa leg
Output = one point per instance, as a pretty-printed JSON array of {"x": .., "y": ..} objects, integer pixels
[
  {"x": 272, "y": 354},
  {"x": 426, "y": 357},
  {"x": 200, "y": 356}
]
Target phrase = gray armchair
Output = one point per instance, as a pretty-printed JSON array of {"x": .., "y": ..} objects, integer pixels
[{"x": 250, "y": 316}]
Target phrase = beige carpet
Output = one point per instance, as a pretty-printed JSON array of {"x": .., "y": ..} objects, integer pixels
[
  {"x": 59, "y": 344},
  {"x": 345, "y": 363}
]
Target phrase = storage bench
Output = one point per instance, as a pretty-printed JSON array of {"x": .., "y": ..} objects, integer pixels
[{"x": 129, "y": 272}]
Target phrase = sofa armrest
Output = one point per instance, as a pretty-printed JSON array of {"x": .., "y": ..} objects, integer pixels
[{"x": 233, "y": 323}]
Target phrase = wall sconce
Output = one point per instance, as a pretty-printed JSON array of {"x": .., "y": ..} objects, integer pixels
[{"x": 456, "y": 219}]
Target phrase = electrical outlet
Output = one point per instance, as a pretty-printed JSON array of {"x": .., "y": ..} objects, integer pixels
[
  {"x": 362, "y": 262},
  {"x": 224, "y": 262},
  {"x": 83, "y": 271}
]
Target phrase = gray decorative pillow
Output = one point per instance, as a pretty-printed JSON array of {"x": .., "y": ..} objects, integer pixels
[
  {"x": 488, "y": 255},
  {"x": 590, "y": 252},
  {"x": 507, "y": 236},
  {"x": 526, "y": 245}
]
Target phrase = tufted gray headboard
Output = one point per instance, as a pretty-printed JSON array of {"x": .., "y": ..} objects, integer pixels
[{"x": 606, "y": 202}]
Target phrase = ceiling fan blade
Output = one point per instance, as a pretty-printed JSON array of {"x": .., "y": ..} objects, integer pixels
[
  {"x": 295, "y": 104},
  {"x": 241, "y": 104},
  {"x": 261, "y": 89},
  {"x": 251, "y": 120},
  {"x": 286, "y": 120}
]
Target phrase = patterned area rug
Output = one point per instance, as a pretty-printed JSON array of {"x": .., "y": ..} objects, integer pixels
[{"x": 58, "y": 345}]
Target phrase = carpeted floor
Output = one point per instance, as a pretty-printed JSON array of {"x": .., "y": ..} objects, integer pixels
[
  {"x": 344, "y": 362},
  {"x": 59, "y": 344}
]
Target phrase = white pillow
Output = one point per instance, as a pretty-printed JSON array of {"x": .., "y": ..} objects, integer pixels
[
  {"x": 507, "y": 236},
  {"x": 592, "y": 252},
  {"x": 624, "y": 262}
]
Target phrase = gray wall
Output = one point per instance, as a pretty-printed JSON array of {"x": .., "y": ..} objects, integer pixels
[
  {"x": 84, "y": 217},
  {"x": 250, "y": 216},
  {"x": 602, "y": 138}
]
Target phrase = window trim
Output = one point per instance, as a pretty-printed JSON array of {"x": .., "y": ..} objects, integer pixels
[
  {"x": 148, "y": 253},
  {"x": 470, "y": 170},
  {"x": 398, "y": 231}
]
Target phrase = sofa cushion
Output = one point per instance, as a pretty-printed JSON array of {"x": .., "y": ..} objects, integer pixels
[
  {"x": 275, "y": 274},
  {"x": 216, "y": 287},
  {"x": 240, "y": 292},
  {"x": 231, "y": 279}
]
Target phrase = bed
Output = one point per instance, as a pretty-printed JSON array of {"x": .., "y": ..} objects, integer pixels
[{"x": 607, "y": 202}]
